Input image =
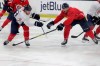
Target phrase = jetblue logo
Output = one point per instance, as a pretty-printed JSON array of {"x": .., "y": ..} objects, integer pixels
[{"x": 50, "y": 6}]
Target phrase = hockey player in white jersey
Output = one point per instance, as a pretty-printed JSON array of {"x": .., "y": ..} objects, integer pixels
[
  {"x": 21, "y": 18},
  {"x": 93, "y": 19}
]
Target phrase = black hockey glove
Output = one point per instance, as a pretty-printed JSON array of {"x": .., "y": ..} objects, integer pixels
[
  {"x": 38, "y": 24},
  {"x": 36, "y": 16},
  {"x": 10, "y": 10},
  {"x": 98, "y": 23},
  {"x": 95, "y": 20},
  {"x": 50, "y": 24},
  {"x": 6, "y": 2},
  {"x": 60, "y": 27}
]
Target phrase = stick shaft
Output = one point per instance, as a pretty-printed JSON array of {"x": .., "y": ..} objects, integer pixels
[{"x": 36, "y": 36}]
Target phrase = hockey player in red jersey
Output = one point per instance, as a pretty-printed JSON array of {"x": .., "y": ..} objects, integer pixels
[
  {"x": 74, "y": 16},
  {"x": 93, "y": 17},
  {"x": 21, "y": 18},
  {"x": 16, "y": 4}
]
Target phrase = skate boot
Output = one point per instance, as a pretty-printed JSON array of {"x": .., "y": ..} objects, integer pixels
[
  {"x": 6, "y": 42},
  {"x": 64, "y": 42},
  {"x": 95, "y": 41},
  {"x": 1, "y": 28},
  {"x": 84, "y": 39},
  {"x": 27, "y": 43},
  {"x": 96, "y": 35}
]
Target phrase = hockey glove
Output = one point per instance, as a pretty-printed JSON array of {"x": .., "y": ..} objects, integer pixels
[
  {"x": 94, "y": 20},
  {"x": 9, "y": 10},
  {"x": 60, "y": 27},
  {"x": 5, "y": 1},
  {"x": 36, "y": 16},
  {"x": 50, "y": 24},
  {"x": 98, "y": 23},
  {"x": 38, "y": 24}
]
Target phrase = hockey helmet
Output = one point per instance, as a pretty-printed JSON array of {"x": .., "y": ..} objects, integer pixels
[
  {"x": 65, "y": 5},
  {"x": 28, "y": 8}
]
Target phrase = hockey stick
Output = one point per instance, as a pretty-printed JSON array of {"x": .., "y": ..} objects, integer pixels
[
  {"x": 83, "y": 31},
  {"x": 43, "y": 31},
  {"x": 77, "y": 35},
  {"x": 45, "y": 20},
  {"x": 34, "y": 37}
]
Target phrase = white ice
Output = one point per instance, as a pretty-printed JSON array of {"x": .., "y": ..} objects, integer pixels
[{"x": 47, "y": 50}]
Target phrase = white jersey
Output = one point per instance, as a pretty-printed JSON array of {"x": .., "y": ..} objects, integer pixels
[
  {"x": 21, "y": 17},
  {"x": 95, "y": 9}
]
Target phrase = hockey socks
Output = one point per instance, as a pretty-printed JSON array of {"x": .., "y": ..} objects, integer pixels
[
  {"x": 26, "y": 32},
  {"x": 11, "y": 36},
  {"x": 67, "y": 31},
  {"x": 5, "y": 23},
  {"x": 98, "y": 30},
  {"x": 2, "y": 13}
]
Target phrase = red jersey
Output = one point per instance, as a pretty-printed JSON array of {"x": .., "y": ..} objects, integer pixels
[
  {"x": 16, "y": 3},
  {"x": 8, "y": 2},
  {"x": 71, "y": 15}
]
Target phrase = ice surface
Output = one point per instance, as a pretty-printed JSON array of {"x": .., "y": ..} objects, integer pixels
[{"x": 47, "y": 50}]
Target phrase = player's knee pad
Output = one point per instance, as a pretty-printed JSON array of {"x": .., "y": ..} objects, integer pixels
[{"x": 36, "y": 16}]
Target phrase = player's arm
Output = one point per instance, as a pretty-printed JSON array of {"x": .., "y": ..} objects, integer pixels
[
  {"x": 58, "y": 18},
  {"x": 27, "y": 2},
  {"x": 66, "y": 22}
]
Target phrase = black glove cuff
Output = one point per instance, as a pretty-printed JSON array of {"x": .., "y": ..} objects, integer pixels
[
  {"x": 36, "y": 16},
  {"x": 62, "y": 25},
  {"x": 52, "y": 22}
]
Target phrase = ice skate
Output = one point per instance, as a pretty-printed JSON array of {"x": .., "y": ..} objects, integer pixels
[
  {"x": 96, "y": 35},
  {"x": 95, "y": 41},
  {"x": 1, "y": 28},
  {"x": 6, "y": 42},
  {"x": 64, "y": 42},
  {"x": 84, "y": 39},
  {"x": 27, "y": 43}
]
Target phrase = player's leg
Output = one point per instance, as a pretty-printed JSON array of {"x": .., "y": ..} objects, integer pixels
[
  {"x": 26, "y": 34},
  {"x": 66, "y": 34},
  {"x": 86, "y": 28},
  {"x": 9, "y": 19},
  {"x": 97, "y": 32},
  {"x": 14, "y": 31},
  {"x": 67, "y": 31},
  {"x": 89, "y": 18}
]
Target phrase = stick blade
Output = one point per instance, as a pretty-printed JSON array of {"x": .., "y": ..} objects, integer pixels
[
  {"x": 13, "y": 44},
  {"x": 73, "y": 36}
]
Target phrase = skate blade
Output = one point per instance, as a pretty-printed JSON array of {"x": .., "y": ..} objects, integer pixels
[
  {"x": 83, "y": 41},
  {"x": 27, "y": 47},
  {"x": 63, "y": 45}
]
